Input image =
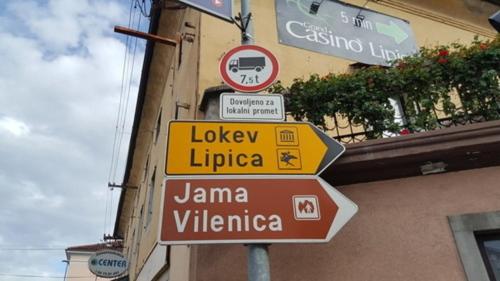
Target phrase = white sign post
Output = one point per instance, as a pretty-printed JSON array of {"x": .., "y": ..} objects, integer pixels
[
  {"x": 263, "y": 107},
  {"x": 108, "y": 264}
]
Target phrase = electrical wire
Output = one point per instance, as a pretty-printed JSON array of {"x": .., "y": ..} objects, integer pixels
[
  {"x": 125, "y": 84},
  {"x": 136, "y": 11},
  {"x": 125, "y": 113},
  {"x": 143, "y": 8},
  {"x": 32, "y": 249},
  {"x": 362, "y": 7},
  {"x": 122, "y": 91},
  {"x": 124, "y": 105},
  {"x": 15, "y": 249},
  {"x": 124, "y": 66},
  {"x": 128, "y": 93},
  {"x": 41, "y": 276}
]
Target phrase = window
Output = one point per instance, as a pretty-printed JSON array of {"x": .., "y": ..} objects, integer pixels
[
  {"x": 134, "y": 248},
  {"x": 139, "y": 230},
  {"x": 489, "y": 246},
  {"x": 473, "y": 232}
]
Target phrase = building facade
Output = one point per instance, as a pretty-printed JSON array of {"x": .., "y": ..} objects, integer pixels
[
  {"x": 77, "y": 259},
  {"x": 425, "y": 199}
]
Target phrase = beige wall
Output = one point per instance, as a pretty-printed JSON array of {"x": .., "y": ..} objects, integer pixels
[
  {"x": 170, "y": 83},
  {"x": 401, "y": 232},
  {"x": 219, "y": 37},
  {"x": 173, "y": 77},
  {"x": 472, "y": 11},
  {"x": 78, "y": 267}
]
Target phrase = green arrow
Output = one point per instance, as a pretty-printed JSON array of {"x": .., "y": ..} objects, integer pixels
[{"x": 393, "y": 30}]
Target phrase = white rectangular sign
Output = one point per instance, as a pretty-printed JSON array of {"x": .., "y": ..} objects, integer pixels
[{"x": 243, "y": 106}]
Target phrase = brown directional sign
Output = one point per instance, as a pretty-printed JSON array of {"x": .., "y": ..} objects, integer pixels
[
  {"x": 258, "y": 210},
  {"x": 248, "y": 148}
]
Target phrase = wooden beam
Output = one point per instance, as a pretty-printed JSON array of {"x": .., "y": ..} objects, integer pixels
[{"x": 147, "y": 36}]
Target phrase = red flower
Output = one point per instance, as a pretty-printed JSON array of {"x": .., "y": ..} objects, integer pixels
[
  {"x": 405, "y": 131},
  {"x": 443, "y": 53},
  {"x": 483, "y": 46},
  {"x": 442, "y": 60},
  {"x": 401, "y": 65}
]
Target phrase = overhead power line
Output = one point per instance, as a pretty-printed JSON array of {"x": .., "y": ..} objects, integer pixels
[
  {"x": 143, "y": 8},
  {"x": 137, "y": 10},
  {"x": 118, "y": 136},
  {"x": 42, "y": 276},
  {"x": 32, "y": 249}
]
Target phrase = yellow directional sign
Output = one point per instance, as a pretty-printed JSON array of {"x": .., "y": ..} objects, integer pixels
[{"x": 206, "y": 147}]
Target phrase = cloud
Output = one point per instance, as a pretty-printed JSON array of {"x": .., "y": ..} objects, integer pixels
[
  {"x": 60, "y": 25},
  {"x": 60, "y": 84},
  {"x": 13, "y": 126}
]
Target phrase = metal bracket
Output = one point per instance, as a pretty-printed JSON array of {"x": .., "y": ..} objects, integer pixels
[
  {"x": 243, "y": 25},
  {"x": 108, "y": 237},
  {"x": 114, "y": 185},
  {"x": 180, "y": 105},
  {"x": 148, "y": 36}
]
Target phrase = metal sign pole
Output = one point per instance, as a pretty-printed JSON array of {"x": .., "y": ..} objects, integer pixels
[
  {"x": 258, "y": 263},
  {"x": 247, "y": 33},
  {"x": 258, "y": 258}
]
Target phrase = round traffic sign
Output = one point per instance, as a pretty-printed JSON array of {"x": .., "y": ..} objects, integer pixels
[{"x": 249, "y": 68}]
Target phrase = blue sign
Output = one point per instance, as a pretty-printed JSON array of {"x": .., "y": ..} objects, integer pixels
[
  {"x": 220, "y": 8},
  {"x": 344, "y": 30}
]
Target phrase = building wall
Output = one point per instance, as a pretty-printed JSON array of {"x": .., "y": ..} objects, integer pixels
[
  {"x": 170, "y": 94},
  {"x": 78, "y": 268},
  {"x": 178, "y": 77},
  {"x": 218, "y": 37},
  {"x": 401, "y": 232},
  {"x": 470, "y": 11}
]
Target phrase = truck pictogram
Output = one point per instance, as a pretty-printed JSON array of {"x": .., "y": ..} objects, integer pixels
[{"x": 247, "y": 63}]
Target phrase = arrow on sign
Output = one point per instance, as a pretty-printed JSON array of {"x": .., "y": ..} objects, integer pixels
[
  {"x": 392, "y": 30},
  {"x": 270, "y": 210},
  {"x": 208, "y": 148}
]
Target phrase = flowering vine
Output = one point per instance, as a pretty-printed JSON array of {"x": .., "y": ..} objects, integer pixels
[{"x": 458, "y": 81}]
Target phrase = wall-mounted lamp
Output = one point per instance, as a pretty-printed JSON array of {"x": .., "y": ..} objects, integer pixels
[
  {"x": 359, "y": 20},
  {"x": 495, "y": 20},
  {"x": 315, "y": 6}
]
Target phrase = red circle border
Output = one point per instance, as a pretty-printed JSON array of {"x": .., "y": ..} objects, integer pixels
[{"x": 223, "y": 69}]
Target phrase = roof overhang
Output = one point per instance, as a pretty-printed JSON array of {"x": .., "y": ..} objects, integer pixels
[{"x": 457, "y": 148}]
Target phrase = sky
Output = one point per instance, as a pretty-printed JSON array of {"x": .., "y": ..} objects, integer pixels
[{"x": 68, "y": 86}]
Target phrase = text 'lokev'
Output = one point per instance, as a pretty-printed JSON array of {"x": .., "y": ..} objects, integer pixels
[{"x": 226, "y": 158}]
